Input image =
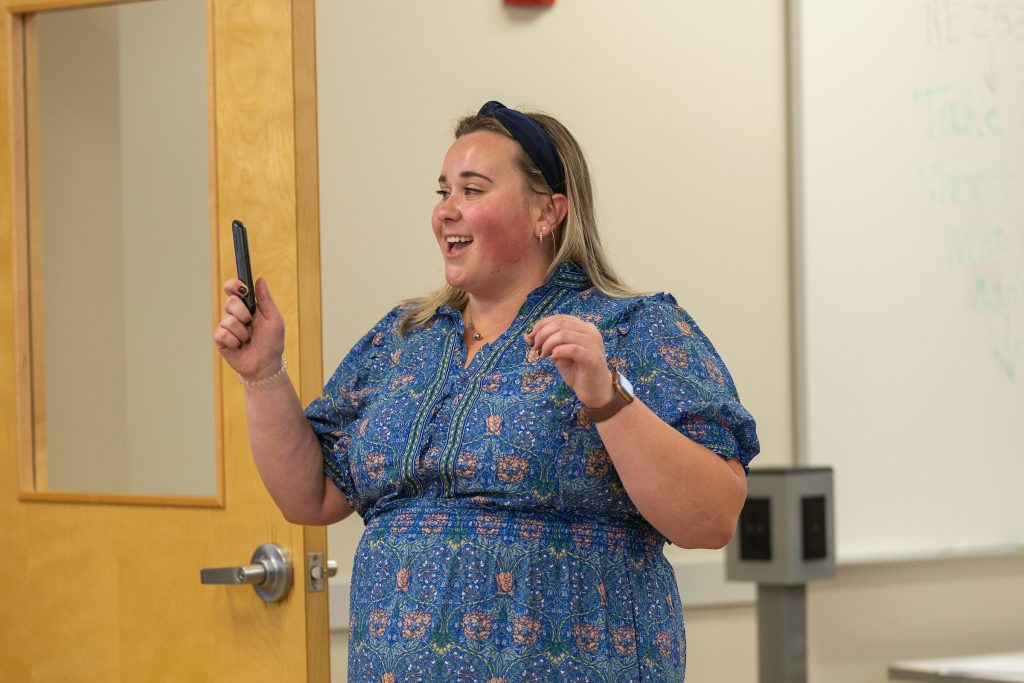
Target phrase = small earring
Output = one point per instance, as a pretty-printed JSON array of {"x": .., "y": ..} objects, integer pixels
[{"x": 541, "y": 238}]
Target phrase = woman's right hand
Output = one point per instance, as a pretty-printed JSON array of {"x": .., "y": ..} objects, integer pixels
[{"x": 251, "y": 344}]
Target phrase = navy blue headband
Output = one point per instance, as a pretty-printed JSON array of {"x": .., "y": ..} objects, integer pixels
[{"x": 533, "y": 139}]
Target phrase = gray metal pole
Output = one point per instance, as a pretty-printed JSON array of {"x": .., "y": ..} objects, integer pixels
[{"x": 782, "y": 633}]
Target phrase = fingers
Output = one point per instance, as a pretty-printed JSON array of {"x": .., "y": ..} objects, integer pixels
[
  {"x": 569, "y": 351},
  {"x": 550, "y": 333},
  {"x": 249, "y": 341},
  {"x": 577, "y": 349},
  {"x": 264, "y": 302},
  {"x": 554, "y": 340},
  {"x": 235, "y": 329},
  {"x": 231, "y": 333},
  {"x": 235, "y": 307},
  {"x": 536, "y": 334},
  {"x": 235, "y": 287}
]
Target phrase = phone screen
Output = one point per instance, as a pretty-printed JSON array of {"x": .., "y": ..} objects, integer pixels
[{"x": 242, "y": 265}]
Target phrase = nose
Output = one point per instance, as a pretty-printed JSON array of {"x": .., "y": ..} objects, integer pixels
[{"x": 447, "y": 209}]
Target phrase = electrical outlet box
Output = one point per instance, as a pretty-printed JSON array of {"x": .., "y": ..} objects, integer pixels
[{"x": 785, "y": 532}]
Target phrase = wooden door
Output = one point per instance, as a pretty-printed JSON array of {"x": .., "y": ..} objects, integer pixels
[{"x": 106, "y": 587}]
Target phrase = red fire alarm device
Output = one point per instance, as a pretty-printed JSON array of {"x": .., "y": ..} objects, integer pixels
[{"x": 529, "y": 2}]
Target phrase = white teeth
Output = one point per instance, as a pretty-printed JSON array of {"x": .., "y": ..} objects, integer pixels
[{"x": 451, "y": 239}]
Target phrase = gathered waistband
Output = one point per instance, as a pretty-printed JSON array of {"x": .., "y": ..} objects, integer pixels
[{"x": 436, "y": 518}]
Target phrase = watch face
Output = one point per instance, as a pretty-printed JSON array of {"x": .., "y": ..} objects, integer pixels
[{"x": 626, "y": 385}]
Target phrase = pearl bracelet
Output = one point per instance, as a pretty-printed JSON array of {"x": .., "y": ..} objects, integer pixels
[{"x": 259, "y": 383}]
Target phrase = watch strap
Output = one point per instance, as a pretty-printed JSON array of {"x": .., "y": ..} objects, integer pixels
[{"x": 620, "y": 399}]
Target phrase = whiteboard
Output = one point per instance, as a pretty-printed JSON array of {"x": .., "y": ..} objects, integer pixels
[{"x": 908, "y": 160}]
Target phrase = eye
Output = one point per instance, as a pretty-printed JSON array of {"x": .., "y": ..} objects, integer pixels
[
  {"x": 444, "y": 194},
  {"x": 471, "y": 191}
]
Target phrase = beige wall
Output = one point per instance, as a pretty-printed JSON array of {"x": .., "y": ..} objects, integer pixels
[
  {"x": 125, "y": 214},
  {"x": 681, "y": 108},
  {"x": 81, "y": 213},
  {"x": 165, "y": 218},
  {"x": 874, "y": 614}
]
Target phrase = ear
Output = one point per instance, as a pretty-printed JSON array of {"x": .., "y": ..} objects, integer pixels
[{"x": 552, "y": 212}]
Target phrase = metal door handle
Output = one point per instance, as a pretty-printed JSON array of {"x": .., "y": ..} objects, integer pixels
[
  {"x": 250, "y": 573},
  {"x": 270, "y": 573}
]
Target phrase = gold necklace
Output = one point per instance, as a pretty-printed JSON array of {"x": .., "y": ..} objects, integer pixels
[{"x": 477, "y": 336}]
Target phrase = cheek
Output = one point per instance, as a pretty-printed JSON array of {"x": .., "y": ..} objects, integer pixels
[
  {"x": 516, "y": 245},
  {"x": 435, "y": 222},
  {"x": 507, "y": 243},
  {"x": 502, "y": 231}
]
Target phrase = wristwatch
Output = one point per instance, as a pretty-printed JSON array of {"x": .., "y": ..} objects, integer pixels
[{"x": 622, "y": 396}]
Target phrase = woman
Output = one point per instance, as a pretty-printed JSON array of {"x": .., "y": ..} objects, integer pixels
[{"x": 517, "y": 490}]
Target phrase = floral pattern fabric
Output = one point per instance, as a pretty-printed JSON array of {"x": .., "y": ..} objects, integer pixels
[{"x": 500, "y": 544}]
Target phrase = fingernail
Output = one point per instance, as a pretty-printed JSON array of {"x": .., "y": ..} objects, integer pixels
[{"x": 529, "y": 330}]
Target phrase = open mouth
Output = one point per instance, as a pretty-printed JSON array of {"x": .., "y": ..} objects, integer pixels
[{"x": 456, "y": 244}]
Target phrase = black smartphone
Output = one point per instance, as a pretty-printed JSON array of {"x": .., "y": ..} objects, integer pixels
[{"x": 242, "y": 264}]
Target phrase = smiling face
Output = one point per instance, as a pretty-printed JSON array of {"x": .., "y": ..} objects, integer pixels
[{"x": 486, "y": 222}]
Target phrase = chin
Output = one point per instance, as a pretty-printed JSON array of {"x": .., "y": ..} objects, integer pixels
[{"x": 455, "y": 279}]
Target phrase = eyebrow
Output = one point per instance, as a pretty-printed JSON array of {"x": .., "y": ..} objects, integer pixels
[{"x": 465, "y": 174}]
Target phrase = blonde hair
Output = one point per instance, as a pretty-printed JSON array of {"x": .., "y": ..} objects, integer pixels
[{"x": 577, "y": 238}]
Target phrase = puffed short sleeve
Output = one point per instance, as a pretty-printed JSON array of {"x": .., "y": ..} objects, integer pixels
[
  {"x": 334, "y": 416},
  {"x": 679, "y": 375}
]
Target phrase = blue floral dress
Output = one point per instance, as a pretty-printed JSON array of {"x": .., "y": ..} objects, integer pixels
[{"x": 500, "y": 544}]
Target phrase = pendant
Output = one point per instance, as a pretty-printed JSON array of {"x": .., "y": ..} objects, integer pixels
[{"x": 477, "y": 336}]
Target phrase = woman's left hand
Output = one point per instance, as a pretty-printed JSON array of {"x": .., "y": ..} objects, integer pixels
[{"x": 577, "y": 349}]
